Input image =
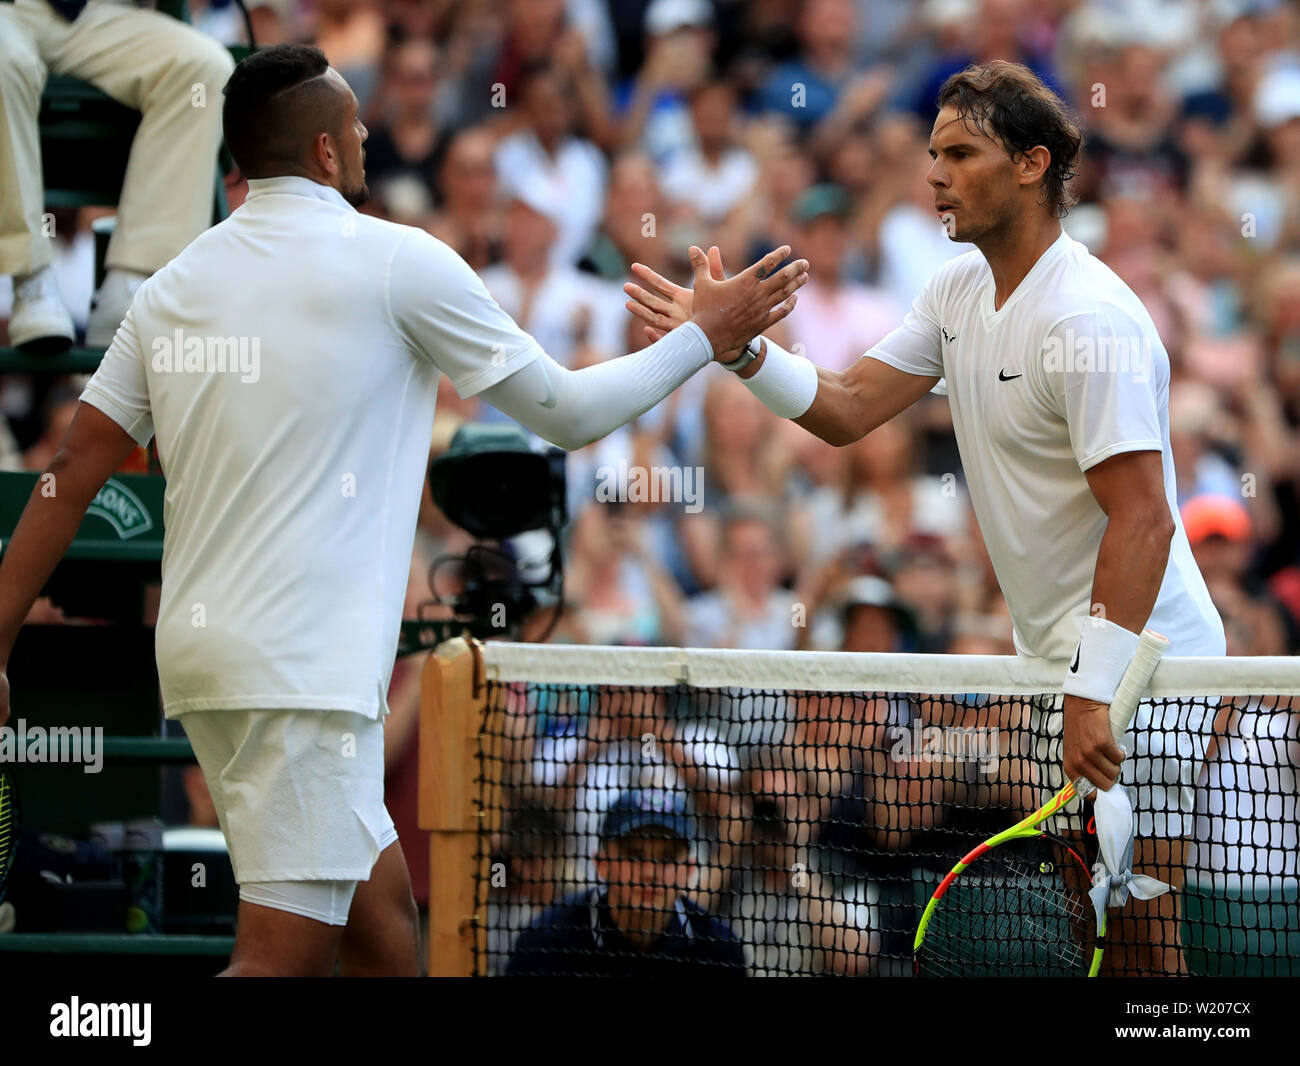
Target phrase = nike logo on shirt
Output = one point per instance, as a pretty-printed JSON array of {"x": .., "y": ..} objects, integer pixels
[
  {"x": 1074, "y": 666},
  {"x": 550, "y": 399},
  {"x": 1004, "y": 376}
]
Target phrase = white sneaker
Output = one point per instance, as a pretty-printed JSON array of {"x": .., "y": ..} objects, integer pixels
[
  {"x": 40, "y": 323},
  {"x": 108, "y": 307}
]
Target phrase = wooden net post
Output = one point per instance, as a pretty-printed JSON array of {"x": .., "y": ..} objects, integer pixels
[{"x": 452, "y": 697}]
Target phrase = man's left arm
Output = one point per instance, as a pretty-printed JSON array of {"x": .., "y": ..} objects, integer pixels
[
  {"x": 1109, "y": 388},
  {"x": 1131, "y": 562}
]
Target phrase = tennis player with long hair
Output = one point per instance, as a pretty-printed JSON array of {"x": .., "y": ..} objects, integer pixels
[
  {"x": 1059, "y": 387},
  {"x": 287, "y": 362}
]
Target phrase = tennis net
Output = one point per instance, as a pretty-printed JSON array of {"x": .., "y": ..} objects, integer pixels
[{"x": 660, "y": 811}]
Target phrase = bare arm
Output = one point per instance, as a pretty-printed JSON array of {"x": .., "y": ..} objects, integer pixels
[
  {"x": 853, "y": 402},
  {"x": 1131, "y": 562},
  {"x": 849, "y": 403},
  {"x": 94, "y": 447},
  {"x": 1134, "y": 551}
]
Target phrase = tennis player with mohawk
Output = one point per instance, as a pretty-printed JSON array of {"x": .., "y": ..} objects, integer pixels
[
  {"x": 1059, "y": 388},
  {"x": 293, "y": 487}
]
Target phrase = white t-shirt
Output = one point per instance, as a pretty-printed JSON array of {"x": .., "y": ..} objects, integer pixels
[
  {"x": 293, "y": 483},
  {"x": 711, "y": 189},
  {"x": 1068, "y": 372},
  {"x": 571, "y": 183}
]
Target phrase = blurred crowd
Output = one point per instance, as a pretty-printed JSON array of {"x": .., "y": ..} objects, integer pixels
[{"x": 553, "y": 143}]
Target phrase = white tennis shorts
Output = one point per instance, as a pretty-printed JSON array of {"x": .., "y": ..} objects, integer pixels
[
  {"x": 299, "y": 794},
  {"x": 1166, "y": 752}
]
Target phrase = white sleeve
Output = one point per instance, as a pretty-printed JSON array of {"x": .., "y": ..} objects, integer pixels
[
  {"x": 915, "y": 347},
  {"x": 120, "y": 387},
  {"x": 1103, "y": 370},
  {"x": 572, "y": 408},
  {"x": 446, "y": 314}
]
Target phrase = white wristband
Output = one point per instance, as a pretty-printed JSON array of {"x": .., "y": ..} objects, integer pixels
[
  {"x": 1100, "y": 660},
  {"x": 787, "y": 384}
]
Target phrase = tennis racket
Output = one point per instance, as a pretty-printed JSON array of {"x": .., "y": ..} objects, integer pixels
[
  {"x": 1017, "y": 905},
  {"x": 8, "y": 826}
]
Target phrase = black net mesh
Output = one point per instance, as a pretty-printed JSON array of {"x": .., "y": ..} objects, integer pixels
[{"x": 668, "y": 831}]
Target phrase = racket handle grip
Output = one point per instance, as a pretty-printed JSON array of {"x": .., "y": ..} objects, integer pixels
[{"x": 1129, "y": 693}]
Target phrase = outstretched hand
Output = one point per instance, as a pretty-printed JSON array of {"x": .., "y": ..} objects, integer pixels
[
  {"x": 662, "y": 305},
  {"x": 727, "y": 308}
]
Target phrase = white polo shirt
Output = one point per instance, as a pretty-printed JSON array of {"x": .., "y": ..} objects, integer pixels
[
  {"x": 1068, "y": 372},
  {"x": 287, "y": 361}
]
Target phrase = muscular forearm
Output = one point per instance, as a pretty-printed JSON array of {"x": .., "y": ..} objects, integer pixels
[
  {"x": 840, "y": 407},
  {"x": 48, "y": 524},
  {"x": 1130, "y": 568}
]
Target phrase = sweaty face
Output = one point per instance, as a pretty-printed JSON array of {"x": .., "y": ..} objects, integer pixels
[{"x": 974, "y": 180}]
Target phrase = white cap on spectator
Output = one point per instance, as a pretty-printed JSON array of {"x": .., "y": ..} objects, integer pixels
[
  {"x": 939, "y": 13},
  {"x": 1277, "y": 99},
  {"x": 664, "y": 16},
  {"x": 867, "y": 590},
  {"x": 541, "y": 200}
]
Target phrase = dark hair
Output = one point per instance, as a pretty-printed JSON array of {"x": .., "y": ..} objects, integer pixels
[
  {"x": 253, "y": 121},
  {"x": 1010, "y": 102}
]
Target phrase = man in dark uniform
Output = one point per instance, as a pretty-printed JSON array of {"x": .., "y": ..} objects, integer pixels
[{"x": 638, "y": 922}]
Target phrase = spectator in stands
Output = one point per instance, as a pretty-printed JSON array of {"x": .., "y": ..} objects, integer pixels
[
  {"x": 1220, "y": 533},
  {"x": 881, "y": 500},
  {"x": 635, "y": 210},
  {"x": 562, "y": 308},
  {"x": 545, "y": 157},
  {"x": 168, "y": 70},
  {"x": 1131, "y": 150},
  {"x": 910, "y": 243},
  {"x": 810, "y": 88},
  {"x": 1196, "y": 419},
  {"x": 654, "y": 114},
  {"x": 923, "y": 573},
  {"x": 625, "y": 596},
  {"x": 874, "y": 619},
  {"x": 836, "y": 319},
  {"x": 639, "y": 921},
  {"x": 468, "y": 217},
  {"x": 790, "y": 917},
  {"x": 351, "y": 33},
  {"x": 749, "y": 608},
  {"x": 995, "y": 29},
  {"x": 712, "y": 175},
  {"x": 409, "y": 139},
  {"x": 528, "y": 875}
]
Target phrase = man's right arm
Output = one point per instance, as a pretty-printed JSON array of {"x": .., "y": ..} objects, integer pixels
[
  {"x": 445, "y": 313},
  {"x": 851, "y": 403},
  {"x": 840, "y": 407}
]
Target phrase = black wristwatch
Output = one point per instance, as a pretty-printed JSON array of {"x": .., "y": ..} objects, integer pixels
[{"x": 747, "y": 355}]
